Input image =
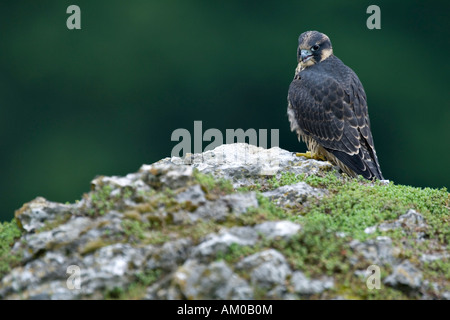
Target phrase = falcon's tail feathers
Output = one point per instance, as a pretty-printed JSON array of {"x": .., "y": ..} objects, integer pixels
[{"x": 360, "y": 164}]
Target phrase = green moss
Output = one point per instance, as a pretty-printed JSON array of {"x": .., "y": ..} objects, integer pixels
[
  {"x": 438, "y": 271},
  {"x": 211, "y": 185},
  {"x": 144, "y": 232},
  {"x": 236, "y": 252},
  {"x": 133, "y": 228},
  {"x": 315, "y": 250},
  {"x": 9, "y": 232},
  {"x": 114, "y": 293},
  {"x": 286, "y": 178},
  {"x": 59, "y": 220},
  {"x": 127, "y": 193},
  {"x": 350, "y": 207},
  {"x": 101, "y": 201},
  {"x": 357, "y": 290},
  {"x": 148, "y": 277},
  {"x": 266, "y": 211},
  {"x": 144, "y": 195},
  {"x": 93, "y": 245},
  {"x": 137, "y": 289},
  {"x": 353, "y": 207},
  {"x": 355, "y": 204}
]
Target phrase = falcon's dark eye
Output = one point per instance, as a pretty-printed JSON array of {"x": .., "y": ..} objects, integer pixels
[{"x": 315, "y": 47}]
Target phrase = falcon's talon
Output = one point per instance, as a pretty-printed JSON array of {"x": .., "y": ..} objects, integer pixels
[{"x": 308, "y": 155}]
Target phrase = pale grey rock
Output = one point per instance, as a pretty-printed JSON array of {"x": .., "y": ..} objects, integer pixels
[
  {"x": 71, "y": 230},
  {"x": 238, "y": 161},
  {"x": 245, "y": 164},
  {"x": 59, "y": 290},
  {"x": 378, "y": 251},
  {"x": 166, "y": 174},
  {"x": 370, "y": 230},
  {"x": 412, "y": 220},
  {"x": 275, "y": 229},
  {"x": 220, "y": 209},
  {"x": 166, "y": 198},
  {"x": 163, "y": 290},
  {"x": 35, "y": 214},
  {"x": 54, "y": 290},
  {"x": 111, "y": 266},
  {"x": 267, "y": 268},
  {"x": 170, "y": 255},
  {"x": 426, "y": 258},
  {"x": 212, "y": 210},
  {"x": 64, "y": 234},
  {"x": 118, "y": 182},
  {"x": 35, "y": 275},
  {"x": 194, "y": 195},
  {"x": 304, "y": 286},
  {"x": 214, "y": 243},
  {"x": 280, "y": 292},
  {"x": 213, "y": 281},
  {"x": 409, "y": 222},
  {"x": 405, "y": 276},
  {"x": 292, "y": 195},
  {"x": 239, "y": 203}
]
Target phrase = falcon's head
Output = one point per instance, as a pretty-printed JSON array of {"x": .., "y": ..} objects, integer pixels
[{"x": 313, "y": 47}]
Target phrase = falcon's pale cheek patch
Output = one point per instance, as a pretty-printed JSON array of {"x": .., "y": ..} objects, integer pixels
[{"x": 326, "y": 53}]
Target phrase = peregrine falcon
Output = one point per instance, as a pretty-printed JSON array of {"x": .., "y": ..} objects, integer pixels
[{"x": 327, "y": 107}]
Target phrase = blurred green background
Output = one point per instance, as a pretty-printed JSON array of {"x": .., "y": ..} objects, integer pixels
[{"x": 105, "y": 99}]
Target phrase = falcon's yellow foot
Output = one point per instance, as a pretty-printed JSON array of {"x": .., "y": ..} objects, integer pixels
[{"x": 308, "y": 155}]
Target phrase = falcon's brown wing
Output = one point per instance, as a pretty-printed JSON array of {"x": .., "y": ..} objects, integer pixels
[{"x": 334, "y": 113}]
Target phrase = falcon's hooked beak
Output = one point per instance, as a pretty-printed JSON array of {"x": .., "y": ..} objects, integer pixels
[{"x": 305, "y": 55}]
